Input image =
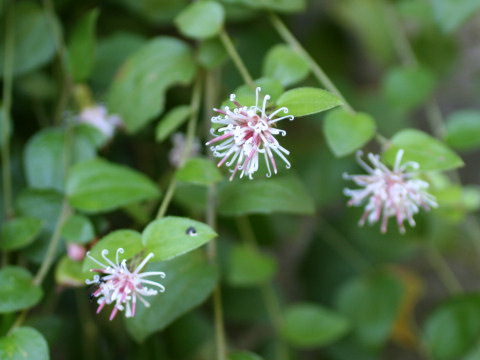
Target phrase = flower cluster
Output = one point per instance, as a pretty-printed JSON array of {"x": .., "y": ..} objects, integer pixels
[
  {"x": 121, "y": 286},
  {"x": 98, "y": 117},
  {"x": 246, "y": 132},
  {"x": 175, "y": 155},
  {"x": 389, "y": 193}
]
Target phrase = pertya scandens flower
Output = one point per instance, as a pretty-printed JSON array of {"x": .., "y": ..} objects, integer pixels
[
  {"x": 246, "y": 132},
  {"x": 389, "y": 192},
  {"x": 176, "y": 154},
  {"x": 97, "y": 116},
  {"x": 121, "y": 286}
]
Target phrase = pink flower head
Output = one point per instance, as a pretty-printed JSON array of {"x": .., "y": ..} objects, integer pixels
[
  {"x": 98, "y": 117},
  {"x": 245, "y": 133},
  {"x": 389, "y": 192},
  {"x": 121, "y": 286}
]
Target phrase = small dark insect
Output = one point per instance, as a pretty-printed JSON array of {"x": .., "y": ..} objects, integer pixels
[
  {"x": 94, "y": 288},
  {"x": 191, "y": 231}
]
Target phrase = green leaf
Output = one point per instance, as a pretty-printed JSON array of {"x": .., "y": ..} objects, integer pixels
[
  {"x": 130, "y": 241},
  {"x": 451, "y": 14},
  {"x": 99, "y": 186},
  {"x": 70, "y": 273},
  {"x": 247, "y": 267},
  {"x": 211, "y": 53},
  {"x": 45, "y": 156},
  {"x": 346, "y": 132},
  {"x": 407, "y": 88},
  {"x": 171, "y": 122},
  {"x": 154, "y": 11},
  {"x": 24, "y": 343},
  {"x": 306, "y": 101},
  {"x": 422, "y": 148},
  {"x": 463, "y": 130},
  {"x": 79, "y": 229},
  {"x": 138, "y": 91},
  {"x": 201, "y": 20},
  {"x": 286, "y": 6},
  {"x": 81, "y": 47},
  {"x": 17, "y": 290},
  {"x": 173, "y": 236},
  {"x": 243, "y": 355},
  {"x": 310, "y": 325},
  {"x": 285, "y": 64},
  {"x": 246, "y": 96},
  {"x": 34, "y": 40},
  {"x": 454, "y": 327},
  {"x": 265, "y": 196},
  {"x": 189, "y": 280},
  {"x": 371, "y": 303},
  {"x": 18, "y": 233},
  {"x": 199, "y": 171}
]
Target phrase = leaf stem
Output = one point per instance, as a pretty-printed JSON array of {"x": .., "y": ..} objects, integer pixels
[
  {"x": 237, "y": 60},
  {"x": 7, "y": 107},
  {"x": 441, "y": 267},
  {"x": 318, "y": 72}
]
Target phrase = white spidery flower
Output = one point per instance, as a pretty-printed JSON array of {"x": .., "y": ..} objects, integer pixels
[
  {"x": 121, "y": 286},
  {"x": 244, "y": 133},
  {"x": 97, "y": 116},
  {"x": 389, "y": 193}
]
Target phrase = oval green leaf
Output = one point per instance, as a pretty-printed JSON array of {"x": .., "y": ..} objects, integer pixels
[
  {"x": 138, "y": 91},
  {"x": 246, "y": 96},
  {"x": 79, "y": 229},
  {"x": 307, "y": 101},
  {"x": 70, "y": 273},
  {"x": 265, "y": 196},
  {"x": 346, "y": 132},
  {"x": 309, "y": 325},
  {"x": 286, "y": 65},
  {"x": 454, "y": 327},
  {"x": 248, "y": 267},
  {"x": 171, "y": 122},
  {"x": 17, "y": 290},
  {"x": 81, "y": 47},
  {"x": 428, "y": 152},
  {"x": 18, "y": 233},
  {"x": 98, "y": 186},
  {"x": 286, "y": 6},
  {"x": 463, "y": 130},
  {"x": 189, "y": 280},
  {"x": 173, "y": 236},
  {"x": 451, "y": 14},
  {"x": 211, "y": 53},
  {"x": 199, "y": 171},
  {"x": 24, "y": 343},
  {"x": 201, "y": 20}
]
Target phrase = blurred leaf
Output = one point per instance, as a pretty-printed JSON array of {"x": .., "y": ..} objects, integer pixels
[
  {"x": 309, "y": 325},
  {"x": 173, "y": 236},
  {"x": 347, "y": 132},
  {"x": 246, "y": 96},
  {"x": 285, "y": 64},
  {"x": 211, "y": 53},
  {"x": 265, "y": 196},
  {"x": 189, "y": 280},
  {"x": 307, "y": 101},
  {"x": 98, "y": 186},
  {"x": 451, "y": 14},
  {"x": 79, "y": 229},
  {"x": 243, "y": 355},
  {"x": 81, "y": 47},
  {"x": 33, "y": 38},
  {"x": 454, "y": 327},
  {"x": 19, "y": 232},
  {"x": 45, "y": 156},
  {"x": 171, "y": 122},
  {"x": 201, "y": 20},
  {"x": 128, "y": 240},
  {"x": 191, "y": 197},
  {"x": 24, "y": 343},
  {"x": 463, "y": 130},
  {"x": 371, "y": 303},
  {"x": 17, "y": 290},
  {"x": 287, "y": 6},
  {"x": 37, "y": 85},
  {"x": 249, "y": 267},
  {"x": 155, "y": 11},
  {"x": 407, "y": 88},
  {"x": 428, "y": 152},
  {"x": 70, "y": 273},
  {"x": 138, "y": 91},
  {"x": 199, "y": 171},
  {"x": 5, "y": 128}
]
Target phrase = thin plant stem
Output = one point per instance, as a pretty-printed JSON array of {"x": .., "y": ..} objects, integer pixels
[
  {"x": 7, "y": 107},
  {"x": 237, "y": 60},
  {"x": 441, "y": 267},
  {"x": 191, "y": 127},
  {"x": 318, "y": 72}
]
